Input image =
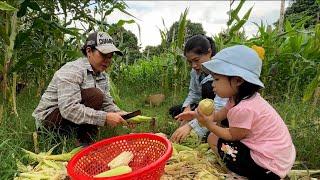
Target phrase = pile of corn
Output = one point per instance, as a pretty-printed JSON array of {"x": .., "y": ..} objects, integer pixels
[
  {"x": 192, "y": 160},
  {"x": 44, "y": 165},
  {"x": 199, "y": 164}
]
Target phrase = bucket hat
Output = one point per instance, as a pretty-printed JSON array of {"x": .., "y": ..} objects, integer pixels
[{"x": 238, "y": 60}]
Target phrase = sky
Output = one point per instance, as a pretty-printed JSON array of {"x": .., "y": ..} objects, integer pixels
[{"x": 211, "y": 14}]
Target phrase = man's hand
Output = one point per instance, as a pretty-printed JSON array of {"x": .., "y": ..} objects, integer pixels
[
  {"x": 181, "y": 133},
  {"x": 114, "y": 118},
  {"x": 188, "y": 115}
]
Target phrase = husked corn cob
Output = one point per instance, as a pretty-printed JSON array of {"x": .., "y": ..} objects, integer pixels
[
  {"x": 123, "y": 159},
  {"x": 120, "y": 170}
]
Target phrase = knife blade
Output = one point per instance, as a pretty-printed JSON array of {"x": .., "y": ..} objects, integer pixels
[{"x": 130, "y": 115}]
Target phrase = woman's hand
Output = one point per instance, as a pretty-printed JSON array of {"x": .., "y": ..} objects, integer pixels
[
  {"x": 203, "y": 119},
  {"x": 114, "y": 118},
  {"x": 188, "y": 115},
  {"x": 181, "y": 133},
  {"x": 122, "y": 113},
  {"x": 187, "y": 109}
]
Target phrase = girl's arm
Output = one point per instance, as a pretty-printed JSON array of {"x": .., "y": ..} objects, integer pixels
[
  {"x": 229, "y": 134},
  {"x": 220, "y": 115}
]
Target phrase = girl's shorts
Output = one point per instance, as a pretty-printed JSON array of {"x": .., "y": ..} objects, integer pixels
[{"x": 237, "y": 158}]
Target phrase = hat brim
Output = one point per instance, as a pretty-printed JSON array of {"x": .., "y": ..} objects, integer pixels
[
  {"x": 219, "y": 66},
  {"x": 109, "y": 48}
]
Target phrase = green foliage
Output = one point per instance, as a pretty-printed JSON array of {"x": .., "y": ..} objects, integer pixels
[
  {"x": 303, "y": 122},
  {"x": 150, "y": 51},
  {"x": 155, "y": 72},
  {"x": 301, "y": 9}
]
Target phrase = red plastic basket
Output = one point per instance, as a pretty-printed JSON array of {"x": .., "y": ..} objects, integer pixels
[{"x": 150, "y": 155}]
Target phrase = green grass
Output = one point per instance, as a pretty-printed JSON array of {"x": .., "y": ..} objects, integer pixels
[{"x": 303, "y": 121}]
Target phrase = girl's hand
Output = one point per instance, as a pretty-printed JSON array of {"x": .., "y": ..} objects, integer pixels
[
  {"x": 203, "y": 119},
  {"x": 188, "y": 115},
  {"x": 181, "y": 133}
]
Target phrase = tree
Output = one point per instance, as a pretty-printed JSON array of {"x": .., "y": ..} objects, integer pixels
[
  {"x": 303, "y": 8},
  {"x": 150, "y": 51},
  {"x": 191, "y": 29},
  {"x": 127, "y": 42}
]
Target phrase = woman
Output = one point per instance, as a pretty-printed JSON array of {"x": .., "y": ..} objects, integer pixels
[
  {"x": 77, "y": 98},
  {"x": 198, "y": 49}
]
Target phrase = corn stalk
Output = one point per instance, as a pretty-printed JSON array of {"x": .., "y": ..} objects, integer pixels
[
  {"x": 10, "y": 27},
  {"x": 13, "y": 94},
  {"x": 179, "y": 69}
]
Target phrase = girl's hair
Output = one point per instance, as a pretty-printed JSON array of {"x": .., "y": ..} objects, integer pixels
[
  {"x": 245, "y": 91},
  {"x": 84, "y": 49},
  {"x": 199, "y": 44}
]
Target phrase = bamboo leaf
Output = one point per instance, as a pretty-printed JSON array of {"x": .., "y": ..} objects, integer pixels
[{"x": 6, "y": 7}]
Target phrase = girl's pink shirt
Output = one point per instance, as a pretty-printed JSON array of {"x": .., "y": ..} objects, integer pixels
[{"x": 269, "y": 139}]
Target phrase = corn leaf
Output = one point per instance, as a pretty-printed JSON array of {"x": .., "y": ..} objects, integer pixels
[
  {"x": 237, "y": 26},
  {"x": 234, "y": 13},
  {"x": 182, "y": 28}
]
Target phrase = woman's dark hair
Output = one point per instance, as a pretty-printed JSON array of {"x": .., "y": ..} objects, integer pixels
[
  {"x": 84, "y": 49},
  {"x": 199, "y": 44},
  {"x": 245, "y": 91}
]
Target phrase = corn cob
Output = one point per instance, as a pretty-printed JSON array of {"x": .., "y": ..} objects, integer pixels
[
  {"x": 120, "y": 170},
  {"x": 139, "y": 119},
  {"x": 123, "y": 159},
  {"x": 206, "y": 106},
  {"x": 61, "y": 157}
]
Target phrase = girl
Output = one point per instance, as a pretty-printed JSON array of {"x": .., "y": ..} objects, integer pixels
[
  {"x": 257, "y": 143},
  {"x": 198, "y": 49}
]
